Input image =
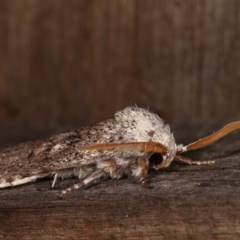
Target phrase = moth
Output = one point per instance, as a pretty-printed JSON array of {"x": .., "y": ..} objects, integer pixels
[{"x": 113, "y": 148}]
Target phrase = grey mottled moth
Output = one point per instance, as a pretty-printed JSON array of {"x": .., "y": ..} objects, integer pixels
[{"x": 113, "y": 148}]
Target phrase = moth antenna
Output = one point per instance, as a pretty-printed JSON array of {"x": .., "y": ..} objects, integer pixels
[
  {"x": 201, "y": 143},
  {"x": 132, "y": 146}
]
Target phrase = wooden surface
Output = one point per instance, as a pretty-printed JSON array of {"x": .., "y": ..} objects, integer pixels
[
  {"x": 74, "y": 62},
  {"x": 187, "y": 202}
]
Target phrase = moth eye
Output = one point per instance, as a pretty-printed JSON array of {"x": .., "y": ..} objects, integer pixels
[{"x": 155, "y": 159}]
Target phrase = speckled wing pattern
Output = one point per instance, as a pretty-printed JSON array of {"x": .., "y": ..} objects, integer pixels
[{"x": 29, "y": 161}]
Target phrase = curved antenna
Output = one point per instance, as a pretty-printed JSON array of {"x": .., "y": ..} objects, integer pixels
[
  {"x": 132, "y": 146},
  {"x": 213, "y": 137}
]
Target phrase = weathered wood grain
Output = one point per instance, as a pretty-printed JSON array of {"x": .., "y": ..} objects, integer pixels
[
  {"x": 76, "y": 62},
  {"x": 187, "y": 202}
]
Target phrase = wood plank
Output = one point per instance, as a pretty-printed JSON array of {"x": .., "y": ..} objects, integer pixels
[
  {"x": 4, "y": 61},
  {"x": 71, "y": 63}
]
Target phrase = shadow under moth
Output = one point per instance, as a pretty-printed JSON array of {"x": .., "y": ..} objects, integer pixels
[{"x": 113, "y": 148}]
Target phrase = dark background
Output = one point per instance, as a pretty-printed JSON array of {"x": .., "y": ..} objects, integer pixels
[{"x": 68, "y": 63}]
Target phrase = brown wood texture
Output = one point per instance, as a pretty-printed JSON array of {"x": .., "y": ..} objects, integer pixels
[
  {"x": 71, "y": 62},
  {"x": 187, "y": 202}
]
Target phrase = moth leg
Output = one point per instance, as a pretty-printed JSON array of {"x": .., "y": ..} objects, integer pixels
[
  {"x": 211, "y": 138},
  {"x": 144, "y": 171},
  {"x": 65, "y": 173},
  {"x": 88, "y": 180},
  {"x": 189, "y": 161},
  {"x": 54, "y": 179}
]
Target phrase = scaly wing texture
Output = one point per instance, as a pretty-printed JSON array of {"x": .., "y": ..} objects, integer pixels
[{"x": 29, "y": 161}]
